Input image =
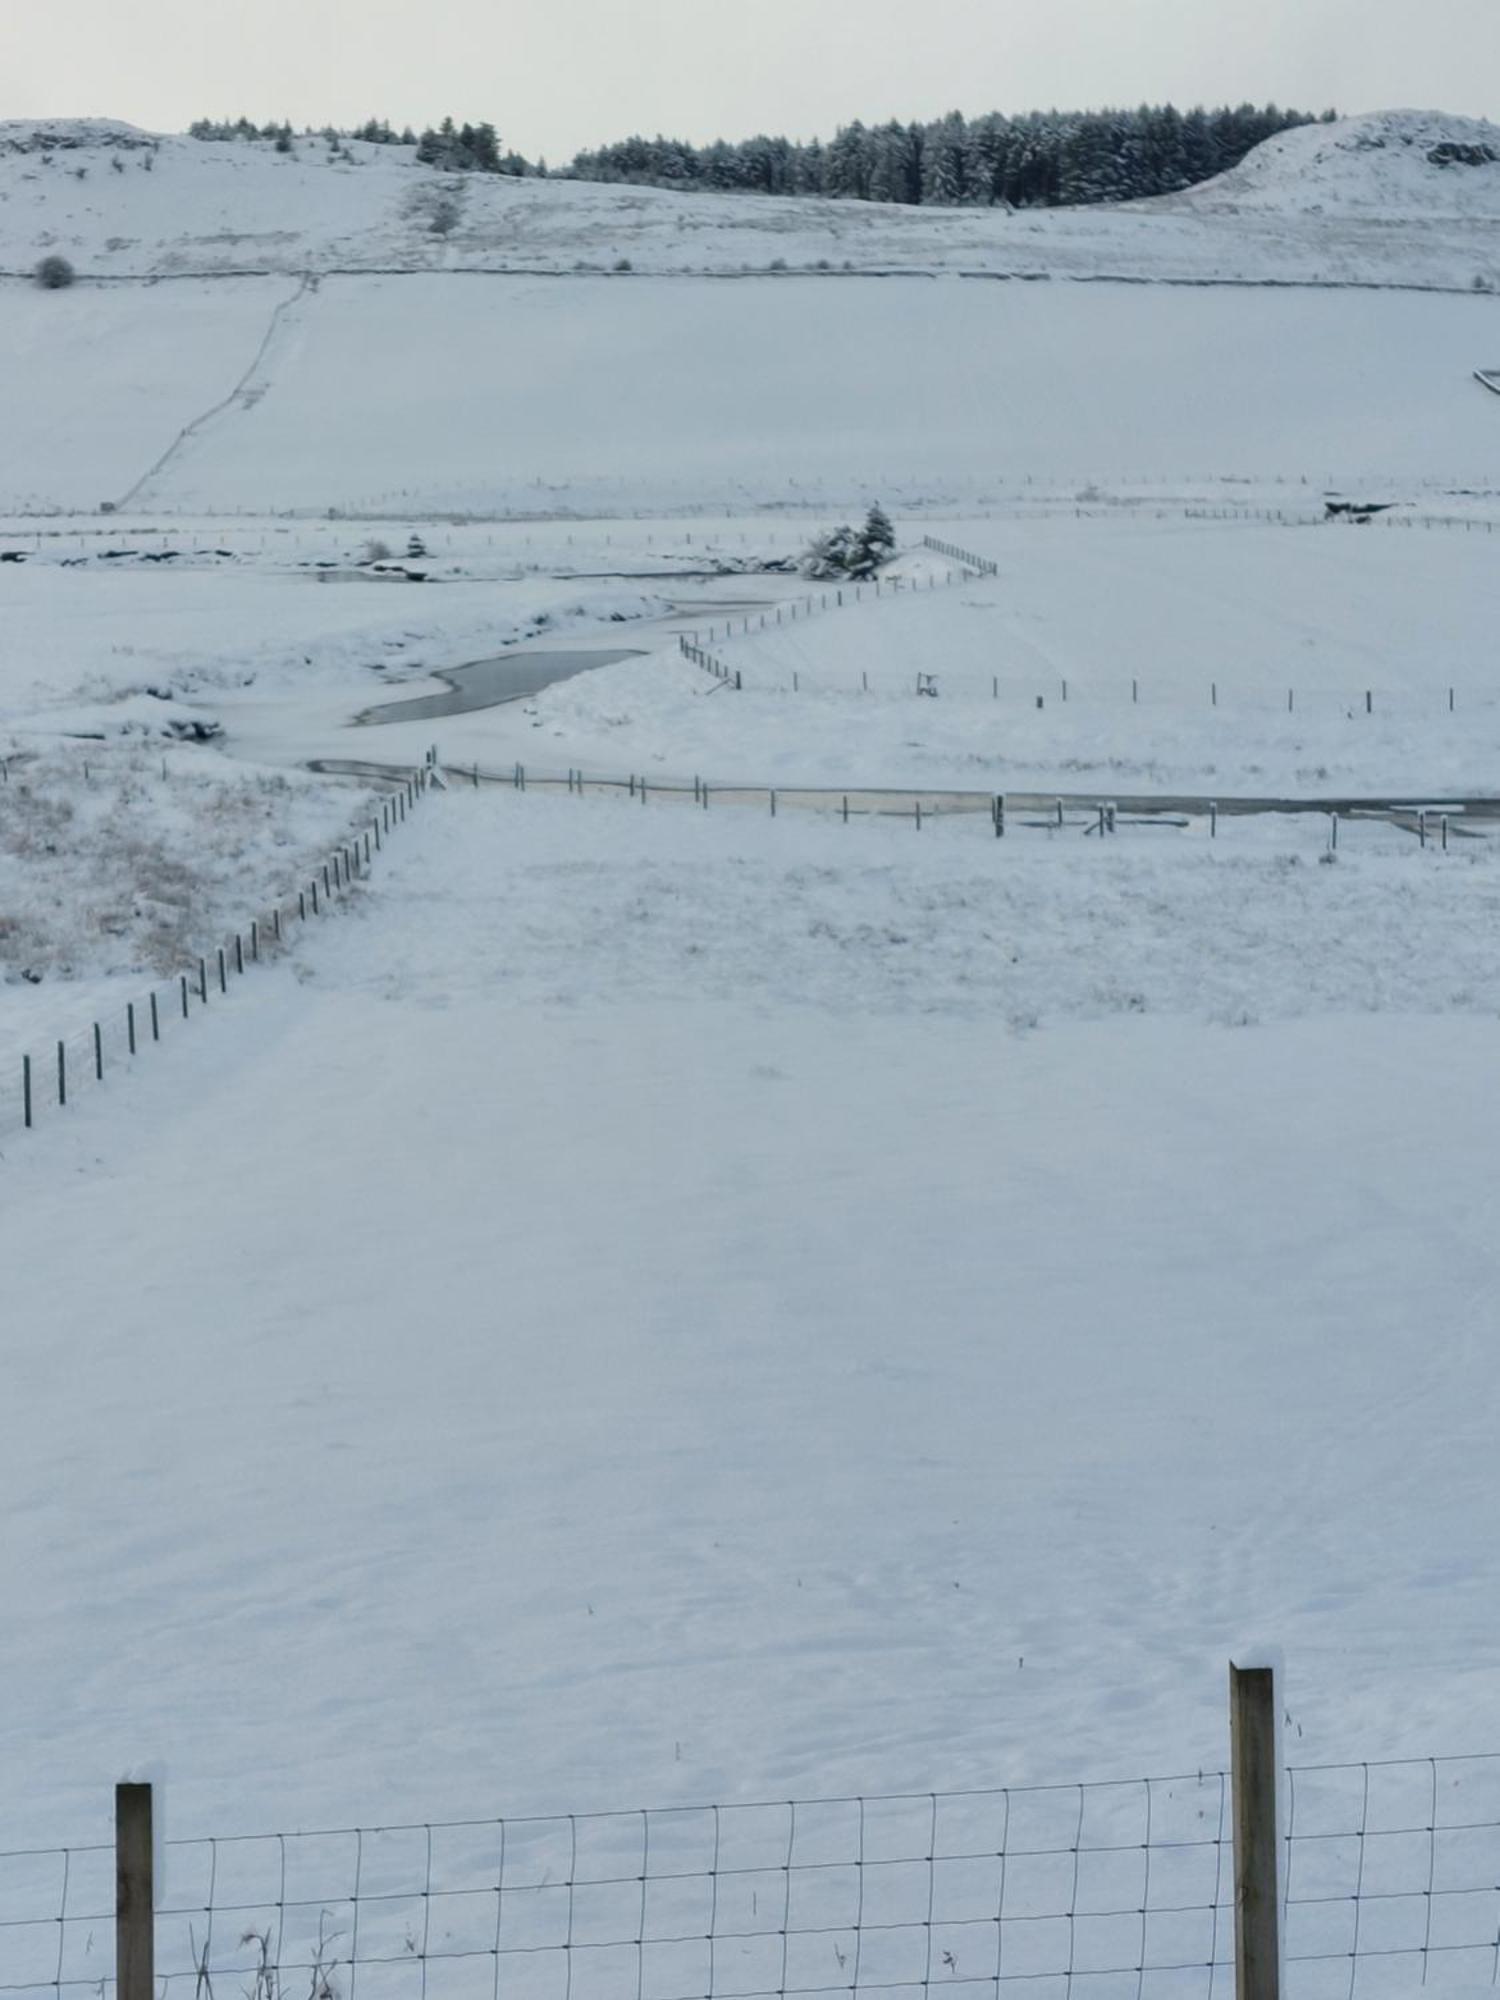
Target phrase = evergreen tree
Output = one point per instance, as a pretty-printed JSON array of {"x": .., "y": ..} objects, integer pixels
[
  {"x": 846, "y": 171},
  {"x": 875, "y": 543},
  {"x": 944, "y": 165}
]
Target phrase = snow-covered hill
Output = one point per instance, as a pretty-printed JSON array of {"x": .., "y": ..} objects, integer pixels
[
  {"x": 1362, "y": 201},
  {"x": 1393, "y": 164}
]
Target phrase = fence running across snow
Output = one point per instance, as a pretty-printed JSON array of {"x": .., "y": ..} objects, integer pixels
[
  {"x": 1085, "y": 813},
  {"x": 837, "y": 598},
  {"x": 1389, "y": 1876},
  {"x": 47, "y": 1081}
]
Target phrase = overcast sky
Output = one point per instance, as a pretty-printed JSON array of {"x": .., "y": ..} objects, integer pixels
[{"x": 555, "y": 75}]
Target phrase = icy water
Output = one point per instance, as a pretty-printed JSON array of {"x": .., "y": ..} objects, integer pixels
[{"x": 487, "y": 683}]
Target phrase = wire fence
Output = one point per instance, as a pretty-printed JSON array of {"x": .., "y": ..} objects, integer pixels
[
  {"x": 1226, "y": 702},
  {"x": 46, "y": 1081},
  {"x": 1417, "y": 698},
  {"x": 1435, "y": 824},
  {"x": 1116, "y": 1891},
  {"x": 840, "y": 597}
]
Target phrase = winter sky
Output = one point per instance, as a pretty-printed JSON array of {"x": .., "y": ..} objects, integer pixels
[{"x": 556, "y": 75}]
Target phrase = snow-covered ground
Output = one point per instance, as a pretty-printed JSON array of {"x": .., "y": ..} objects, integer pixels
[
  {"x": 1360, "y": 202},
  {"x": 641, "y": 1315},
  {"x": 1213, "y": 624},
  {"x": 397, "y": 395},
  {"x": 650, "y": 1303}
]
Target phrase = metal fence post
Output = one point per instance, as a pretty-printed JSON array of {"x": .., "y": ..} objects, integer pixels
[
  {"x": 135, "y": 1954},
  {"x": 1253, "y": 1745}
]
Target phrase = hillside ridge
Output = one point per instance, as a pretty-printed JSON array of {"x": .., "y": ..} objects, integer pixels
[{"x": 1388, "y": 198}]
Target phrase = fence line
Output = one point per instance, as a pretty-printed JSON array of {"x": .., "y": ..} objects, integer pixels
[
  {"x": 930, "y": 682},
  {"x": 1132, "y": 692},
  {"x": 67, "y": 1066},
  {"x": 1086, "y": 813},
  {"x": 1122, "y": 1890},
  {"x": 710, "y": 662},
  {"x": 836, "y": 598},
  {"x": 981, "y": 565}
]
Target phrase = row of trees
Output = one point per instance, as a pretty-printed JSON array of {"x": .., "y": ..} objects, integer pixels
[
  {"x": 458, "y": 149},
  {"x": 1038, "y": 160},
  {"x": 466, "y": 149}
]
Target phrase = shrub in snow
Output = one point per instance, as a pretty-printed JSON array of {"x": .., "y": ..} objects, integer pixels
[
  {"x": 852, "y": 552},
  {"x": 54, "y": 274},
  {"x": 829, "y": 556}
]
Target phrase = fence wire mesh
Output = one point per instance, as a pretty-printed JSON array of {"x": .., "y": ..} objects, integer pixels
[{"x": 1120, "y": 1891}]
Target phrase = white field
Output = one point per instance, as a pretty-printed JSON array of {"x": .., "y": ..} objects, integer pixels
[
  {"x": 650, "y": 1304},
  {"x": 598, "y": 397},
  {"x": 639, "y": 1315}
]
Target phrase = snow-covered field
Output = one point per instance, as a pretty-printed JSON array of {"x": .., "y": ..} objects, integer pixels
[
  {"x": 648, "y": 1303},
  {"x": 590, "y": 396},
  {"x": 639, "y": 1314}
]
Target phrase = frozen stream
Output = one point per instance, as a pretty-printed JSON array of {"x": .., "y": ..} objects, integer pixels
[{"x": 487, "y": 683}]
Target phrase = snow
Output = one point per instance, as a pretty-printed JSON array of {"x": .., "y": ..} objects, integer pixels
[
  {"x": 1212, "y": 623},
  {"x": 648, "y": 1303},
  {"x": 112, "y": 376},
  {"x": 585, "y": 396},
  {"x": 1382, "y": 164},
  {"x": 833, "y": 1424},
  {"x": 1350, "y": 203}
]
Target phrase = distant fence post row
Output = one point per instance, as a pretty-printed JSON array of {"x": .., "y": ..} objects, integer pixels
[
  {"x": 981, "y": 565},
  {"x": 1354, "y": 701},
  {"x": 90, "y": 1053}
]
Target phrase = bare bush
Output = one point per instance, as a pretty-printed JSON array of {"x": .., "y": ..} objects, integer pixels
[{"x": 54, "y": 273}]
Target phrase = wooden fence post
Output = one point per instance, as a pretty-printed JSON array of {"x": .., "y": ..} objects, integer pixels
[
  {"x": 135, "y": 1953},
  {"x": 1257, "y": 1910}
]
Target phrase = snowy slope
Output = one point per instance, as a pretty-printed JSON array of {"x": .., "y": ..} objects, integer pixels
[
  {"x": 1391, "y": 164},
  {"x": 600, "y": 396},
  {"x": 1313, "y": 206}
]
